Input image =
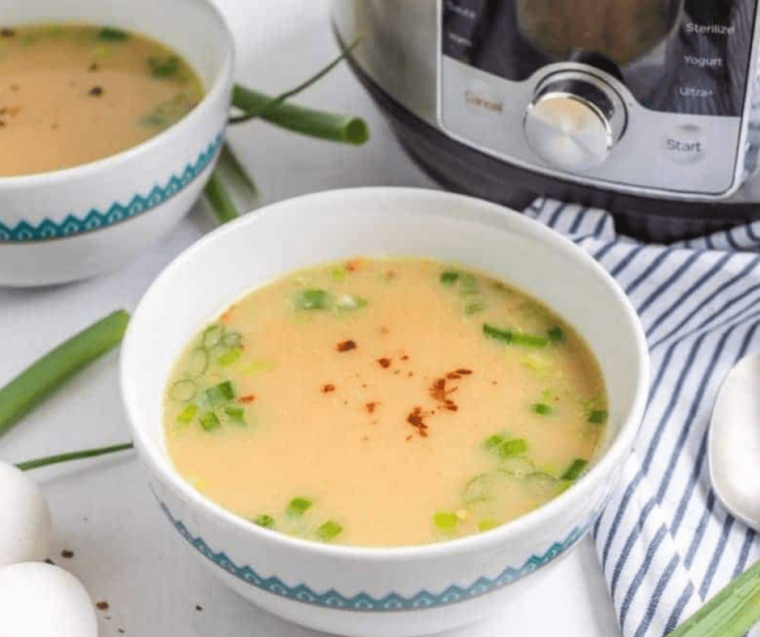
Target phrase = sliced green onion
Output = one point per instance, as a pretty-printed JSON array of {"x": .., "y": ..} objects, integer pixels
[
  {"x": 68, "y": 457},
  {"x": 212, "y": 336},
  {"x": 339, "y": 273},
  {"x": 517, "y": 467},
  {"x": 164, "y": 67},
  {"x": 187, "y": 414},
  {"x": 313, "y": 300},
  {"x": 505, "y": 336},
  {"x": 109, "y": 34},
  {"x": 541, "y": 482},
  {"x": 220, "y": 393},
  {"x": 209, "y": 421},
  {"x": 513, "y": 447},
  {"x": 182, "y": 391},
  {"x": 449, "y": 277},
  {"x": 446, "y": 521},
  {"x": 487, "y": 525},
  {"x": 555, "y": 334},
  {"x": 574, "y": 471},
  {"x": 254, "y": 368},
  {"x": 542, "y": 409},
  {"x": 469, "y": 284},
  {"x": 598, "y": 417},
  {"x": 529, "y": 340},
  {"x": 43, "y": 377},
  {"x": 348, "y": 302},
  {"x": 329, "y": 530},
  {"x": 480, "y": 488},
  {"x": 196, "y": 363},
  {"x": 493, "y": 441},
  {"x": 232, "y": 339},
  {"x": 299, "y": 506},
  {"x": 267, "y": 521},
  {"x": 235, "y": 414},
  {"x": 474, "y": 308},
  {"x": 230, "y": 357}
]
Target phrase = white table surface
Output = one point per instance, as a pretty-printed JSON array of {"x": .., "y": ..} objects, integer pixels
[{"x": 125, "y": 552}]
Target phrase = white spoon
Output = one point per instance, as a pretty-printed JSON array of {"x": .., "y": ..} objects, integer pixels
[{"x": 734, "y": 456}]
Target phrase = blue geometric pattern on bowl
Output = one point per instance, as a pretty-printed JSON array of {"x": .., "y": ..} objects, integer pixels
[
  {"x": 97, "y": 220},
  {"x": 392, "y": 602}
]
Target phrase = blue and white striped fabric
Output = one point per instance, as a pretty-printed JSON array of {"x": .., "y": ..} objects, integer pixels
[{"x": 665, "y": 543}]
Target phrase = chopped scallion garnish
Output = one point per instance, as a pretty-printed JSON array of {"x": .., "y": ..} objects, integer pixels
[
  {"x": 164, "y": 67},
  {"x": 209, "y": 421},
  {"x": 474, "y": 308},
  {"x": 555, "y": 334},
  {"x": 329, "y": 530},
  {"x": 446, "y": 521},
  {"x": 230, "y": 357},
  {"x": 313, "y": 300},
  {"x": 493, "y": 441},
  {"x": 267, "y": 521},
  {"x": 299, "y": 506},
  {"x": 235, "y": 414},
  {"x": 469, "y": 284},
  {"x": 212, "y": 336},
  {"x": 599, "y": 416},
  {"x": 197, "y": 362},
  {"x": 516, "y": 338},
  {"x": 529, "y": 340},
  {"x": 187, "y": 414},
  {"x": 449, "y": 277},
  {"x": 232, "y": 339},
  {"x": 513, "y": 447},
  {"x": 182, "y": 390},
  {"x": 220, "y": 393},
  {"x": 487, "y": 525},
  {"x": 542, "y": 409},
  {"x": 574, "y": 471},
  {"x": 109, "y": 34},
  {"x": 349, "y": 302}
]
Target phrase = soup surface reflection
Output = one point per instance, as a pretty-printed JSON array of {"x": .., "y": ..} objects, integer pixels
[
  {"x": 72, "y": 94},
  {"x": 384, "y": 402}
]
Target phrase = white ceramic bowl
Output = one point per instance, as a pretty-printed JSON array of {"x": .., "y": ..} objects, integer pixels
[
  {"x": 371, "y": 591},
  {"x": 74, "y": 223}
]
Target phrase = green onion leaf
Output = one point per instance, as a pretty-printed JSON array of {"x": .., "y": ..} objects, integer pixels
[
  {"x": 487, "y": 525},
  {"x": 529, "y": 340},
  {"x": 163, "y": 67},
  {"x": 209, "y": 421},
  {"x": 230, "y": 357},
  {"x": 555, "y": 334},
  {"x": 187, "y": 414},
  {"x": 196, "y": 363},
  {"x": 598, "y": 417},
  {"x": 493, "y": 441},
  {"x": 313, "y": 300},
  {"x": 474, "y": 308},
  {"x": 329, "y": 530},
  {"x": 348, "y": 302},
  {"x": 75, "y": 455},
  {"x": 299, "y": 506},
  {"x": 182, "y": 390},
  {"x": 469, "y": 284},
  {"x": 212, "y": 336},
  {"x": 235, "y": 414},
  {"x": 505, "y": 336},
  {"x": 541, "y": 409},
  {"x": 109, "y": 34},
  {"x": 220, "y": 393},
  {"x": 574, "y": 471},
  {"x": 232, "y": 339},
  {"x": 219, "y": 199},
  {"x": 43, "y": 377},
  {"x": 446, "y": 521},
  {"x": 267, "y": 521},
  {"x": 339, "y": 273},
  {"x": 513, "y": 447},
  {"x": 449, "y": 277}
]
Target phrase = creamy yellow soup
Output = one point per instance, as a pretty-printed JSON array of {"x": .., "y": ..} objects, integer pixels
[
  {"x": 384, "y": 402},
  {"x": 73, "y": 94}
]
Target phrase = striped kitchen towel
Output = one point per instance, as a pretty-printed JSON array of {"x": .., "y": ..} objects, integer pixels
[{"x": 665, "y": 543}]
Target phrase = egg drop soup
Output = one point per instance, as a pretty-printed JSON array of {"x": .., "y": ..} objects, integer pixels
[
  {"x": 72, "y": 94},
  {"x": 384, "y": 402}
]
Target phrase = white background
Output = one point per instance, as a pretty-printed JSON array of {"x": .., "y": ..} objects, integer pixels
[{"x": 125, "y": 552}]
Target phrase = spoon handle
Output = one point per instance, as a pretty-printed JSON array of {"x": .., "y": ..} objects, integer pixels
[{"x": 730, "y": 613}]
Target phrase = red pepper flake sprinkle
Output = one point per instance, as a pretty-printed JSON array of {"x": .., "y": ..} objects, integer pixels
[
  {"x": 371, "y": 407},
  {"x": 404, "y": 358},
  {"x": 464, "y": 372},
  {"x": 346, "y": 346},
  {"x": 247, "y": 399},
  {"x": 67, "y": 554},
  {"x": 94, "y": 67},
  {"x": 102, "y": 606},
  {"x": 385, "y": 363},
  {"x": 415, "y": 419},
  {"x": 96, "y": 91},
  {"x": 326, "y": 389}
]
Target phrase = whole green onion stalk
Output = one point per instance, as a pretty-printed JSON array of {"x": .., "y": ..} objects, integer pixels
[
  {"x": 279, "y": 111},
  {"x": 75, "y": 455}
]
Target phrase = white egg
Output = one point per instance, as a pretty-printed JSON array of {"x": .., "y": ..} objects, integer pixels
[
  {"x": 26, "y": 526},
  {"x": 40, "y": 600}
]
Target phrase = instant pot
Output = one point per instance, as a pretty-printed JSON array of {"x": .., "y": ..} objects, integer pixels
[{"x": 647, "y": 108}]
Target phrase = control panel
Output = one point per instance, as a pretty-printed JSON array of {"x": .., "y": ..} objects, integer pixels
[{"x": 644, "y": 94}]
